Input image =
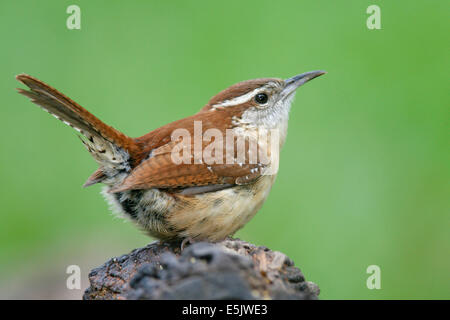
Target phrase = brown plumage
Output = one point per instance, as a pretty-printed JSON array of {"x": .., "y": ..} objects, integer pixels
[
  {"x": 59, "y": 105},
  {"x": 202, "y": 198}
]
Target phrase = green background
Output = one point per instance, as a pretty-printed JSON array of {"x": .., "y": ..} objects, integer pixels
[{"x": 364, "y": 174}]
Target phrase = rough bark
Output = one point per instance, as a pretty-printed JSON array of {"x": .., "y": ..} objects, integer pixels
[{"x": 231, "y": 269}]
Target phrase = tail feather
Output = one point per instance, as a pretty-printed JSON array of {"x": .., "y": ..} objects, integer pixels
[
  {"x": 96, "y": 177},
  {"x": 109, "y": 147}
]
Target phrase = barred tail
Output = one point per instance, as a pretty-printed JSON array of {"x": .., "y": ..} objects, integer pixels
[{"x": 109, "y": 147}]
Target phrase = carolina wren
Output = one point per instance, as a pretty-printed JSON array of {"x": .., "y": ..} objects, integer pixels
[{"x": 197, "y": 198}]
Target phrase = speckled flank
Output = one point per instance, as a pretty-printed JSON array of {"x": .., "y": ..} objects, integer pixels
[
  {"x": 146, "y": 208},
  {"x": 209, "y": 216}
]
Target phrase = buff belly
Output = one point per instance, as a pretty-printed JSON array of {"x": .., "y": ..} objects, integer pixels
[{"x": 208, "y": 216}]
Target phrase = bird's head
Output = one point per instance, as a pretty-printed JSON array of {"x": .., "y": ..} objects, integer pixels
[{"x": 260, "y": 102}]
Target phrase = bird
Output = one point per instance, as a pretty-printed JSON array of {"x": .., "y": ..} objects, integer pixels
[{"x": 200, "y": 178}]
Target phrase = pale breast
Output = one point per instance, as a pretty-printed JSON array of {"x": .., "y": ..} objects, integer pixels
[
  {"x": 208, "y": 216},
  {"x": 214, "y": 216}
]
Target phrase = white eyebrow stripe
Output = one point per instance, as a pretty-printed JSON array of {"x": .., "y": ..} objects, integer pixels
[{"x": 239, "y": 100}]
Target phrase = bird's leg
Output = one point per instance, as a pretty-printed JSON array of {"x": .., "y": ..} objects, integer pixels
[{"x": 185, "y": 242}]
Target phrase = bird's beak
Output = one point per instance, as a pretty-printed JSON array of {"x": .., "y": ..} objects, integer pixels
[{"x": 293, "y": 83}]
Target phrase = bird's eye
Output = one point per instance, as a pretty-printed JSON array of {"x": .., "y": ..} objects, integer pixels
[{"x": 261, "y": 98}]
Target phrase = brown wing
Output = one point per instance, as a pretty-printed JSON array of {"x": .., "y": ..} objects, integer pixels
[
  {"x": 167, "y": 168},
  {"x": 160, "y": 171}
]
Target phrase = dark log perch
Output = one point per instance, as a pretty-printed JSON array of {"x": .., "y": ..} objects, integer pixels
[{"x": 231, "y": 269}]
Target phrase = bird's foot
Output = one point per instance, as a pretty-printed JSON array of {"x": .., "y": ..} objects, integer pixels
[{"x": 186, "y": 241}]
